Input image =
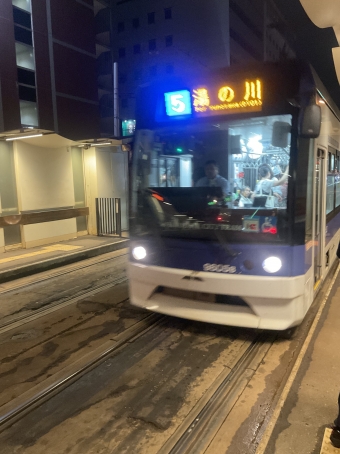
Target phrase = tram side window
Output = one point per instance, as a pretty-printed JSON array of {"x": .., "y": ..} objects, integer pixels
[
  {"x": 333, "y": 189},
  {"x": 337, "y": 180},
  {"x": 330, "y": 194}
]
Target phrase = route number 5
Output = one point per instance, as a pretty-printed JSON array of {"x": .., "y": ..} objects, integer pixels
[{"x": 178, "y": 103}]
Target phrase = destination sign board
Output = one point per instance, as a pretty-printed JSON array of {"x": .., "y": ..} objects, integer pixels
[{"x": 206, "y": 101}]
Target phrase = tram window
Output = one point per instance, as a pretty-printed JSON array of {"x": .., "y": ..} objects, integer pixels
[
  {"x": 337, "y": 190},
  {"x": 241, "y": 149},
  {"x": 333, "y": 189},
  {"x": 331, "y": 162},
  {"x": 330, "y": 193}
]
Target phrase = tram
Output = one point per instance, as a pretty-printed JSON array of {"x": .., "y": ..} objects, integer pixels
[{"x": 196, "y": 252}]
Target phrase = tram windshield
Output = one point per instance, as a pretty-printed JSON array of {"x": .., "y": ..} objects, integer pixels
[{"x": 226, "y": 177}]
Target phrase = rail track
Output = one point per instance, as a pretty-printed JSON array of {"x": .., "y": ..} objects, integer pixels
[
  {"x": 27, "y": 402},
  {"x": 20, "y": 319},
  {"x": 202, "y": 422}
]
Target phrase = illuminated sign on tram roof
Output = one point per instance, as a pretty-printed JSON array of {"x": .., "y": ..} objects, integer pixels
[{"x": 206, "y": 101}]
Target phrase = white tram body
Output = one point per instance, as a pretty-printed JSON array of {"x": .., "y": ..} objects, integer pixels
[{"x": 196, "y": 252}]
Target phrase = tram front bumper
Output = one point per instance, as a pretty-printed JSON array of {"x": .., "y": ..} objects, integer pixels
[{"x": 271, "y": 302}]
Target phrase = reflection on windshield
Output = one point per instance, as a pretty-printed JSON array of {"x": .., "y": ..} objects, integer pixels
[{"x": 200, "y": 178}]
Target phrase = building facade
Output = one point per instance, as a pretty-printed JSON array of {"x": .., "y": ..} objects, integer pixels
[
  {"x": 53, "y": 164},
  {"x": 159, "y": 38}
]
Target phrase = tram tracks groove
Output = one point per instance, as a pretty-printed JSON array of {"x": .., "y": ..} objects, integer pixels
[
  {"x": 47, "y": 275},
  {"x": 16, "y": 409},
  {"x": 203, "y": 422},
  {"x": 19, "y": 321}
]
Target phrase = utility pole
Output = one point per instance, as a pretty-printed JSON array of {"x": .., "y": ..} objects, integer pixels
[{"x": 116, "y": 128}]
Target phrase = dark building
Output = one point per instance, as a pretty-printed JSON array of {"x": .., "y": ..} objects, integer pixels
[
  {"x": 53, "y": 161},
  {"x": 157, "y": 38},
  {"x": 104, "y": 45},
  {"x": 48, "y": 67}
]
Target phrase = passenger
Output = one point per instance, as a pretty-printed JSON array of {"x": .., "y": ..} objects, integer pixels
[
  {"x": 244, "y": 201},
  {"x": 265, "y": 184},
  {"x": 212, "y": 178},
  {"x": 283, "y": 189}
]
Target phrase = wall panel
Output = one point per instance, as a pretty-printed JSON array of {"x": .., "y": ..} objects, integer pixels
[
  {"x": 76, "y": 27},
  {"x": 8, "y": 69},
  {"x": 77, "y": 120},
  {"x": 44, "y": 177}
]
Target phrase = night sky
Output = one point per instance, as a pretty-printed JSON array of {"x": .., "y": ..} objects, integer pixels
[{"x": 312, "y": 44}]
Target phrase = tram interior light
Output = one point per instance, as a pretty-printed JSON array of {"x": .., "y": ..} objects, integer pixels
[
  {"x": 139, "y": 253},
  {"x": 272, "y": 264},
  {"x": 255, "y": 146}
]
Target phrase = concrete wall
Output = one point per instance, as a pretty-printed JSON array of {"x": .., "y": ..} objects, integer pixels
[
  {"x": 44, "y": 176},
  {"x": 44, "y": 181},
  {"x": 91, "y": 188},
  {"x": 2, "y": 241}
]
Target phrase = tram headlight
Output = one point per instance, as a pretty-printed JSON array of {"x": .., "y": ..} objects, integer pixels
[
  {"x": 272, "y": 264},
  {"x": 139, "y": 253}
]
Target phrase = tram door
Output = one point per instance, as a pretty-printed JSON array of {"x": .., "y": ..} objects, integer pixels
[{"x": 319, "y": 182}]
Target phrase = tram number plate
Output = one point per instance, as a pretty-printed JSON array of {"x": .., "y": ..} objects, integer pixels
[{"x": 251, "y": 225}]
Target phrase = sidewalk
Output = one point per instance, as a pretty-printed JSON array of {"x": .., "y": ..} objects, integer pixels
[
  {"x": 24, "y": 262},
  {"x": 309, "y": 401}
]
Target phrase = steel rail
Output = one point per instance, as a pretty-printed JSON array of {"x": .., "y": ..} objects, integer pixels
[
  {"x": 19, "y": 321},
  {"x": 19, "y": 407},
  {"x": 45, "y": 310},
  {"x": 65, "y": 270},
  {"x": 204, "y": 420}
]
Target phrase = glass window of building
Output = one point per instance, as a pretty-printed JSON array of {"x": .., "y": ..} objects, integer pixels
[
  {"x": 121, "y": 52},
  {"x": 151, "y": 18},
  {"x": 22, "y": 35},
  {"x": 27, "y": 93},
  {"x": 23, "y": 4},
  {"x": 137, "y": 49},
  {"x": 29, "y": 113},
  {"x": 167, "y": 13},
  {"x": 21, "y": 17},
  {"x": 26, "y": 76},
  {"x": 152, "y": 44},
  {"x": 24, "y": 56},
  {"x": 135, "y": 22},
  {"x": 168, "y": 40},
  {"x": 120, "y": 27}
]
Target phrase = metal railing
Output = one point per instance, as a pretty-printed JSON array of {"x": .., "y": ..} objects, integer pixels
[{"x": 109, "y": 216}]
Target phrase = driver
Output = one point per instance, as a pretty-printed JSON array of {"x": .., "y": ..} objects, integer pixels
[{"x": 212, "y": 178}]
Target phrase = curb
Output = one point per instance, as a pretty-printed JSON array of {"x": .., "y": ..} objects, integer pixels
[{"x": 56, "y": 262}]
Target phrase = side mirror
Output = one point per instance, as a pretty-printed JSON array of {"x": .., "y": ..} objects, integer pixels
[
  {"x": 280, "y": 135},
  {"x": 310, "y": 121}
]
